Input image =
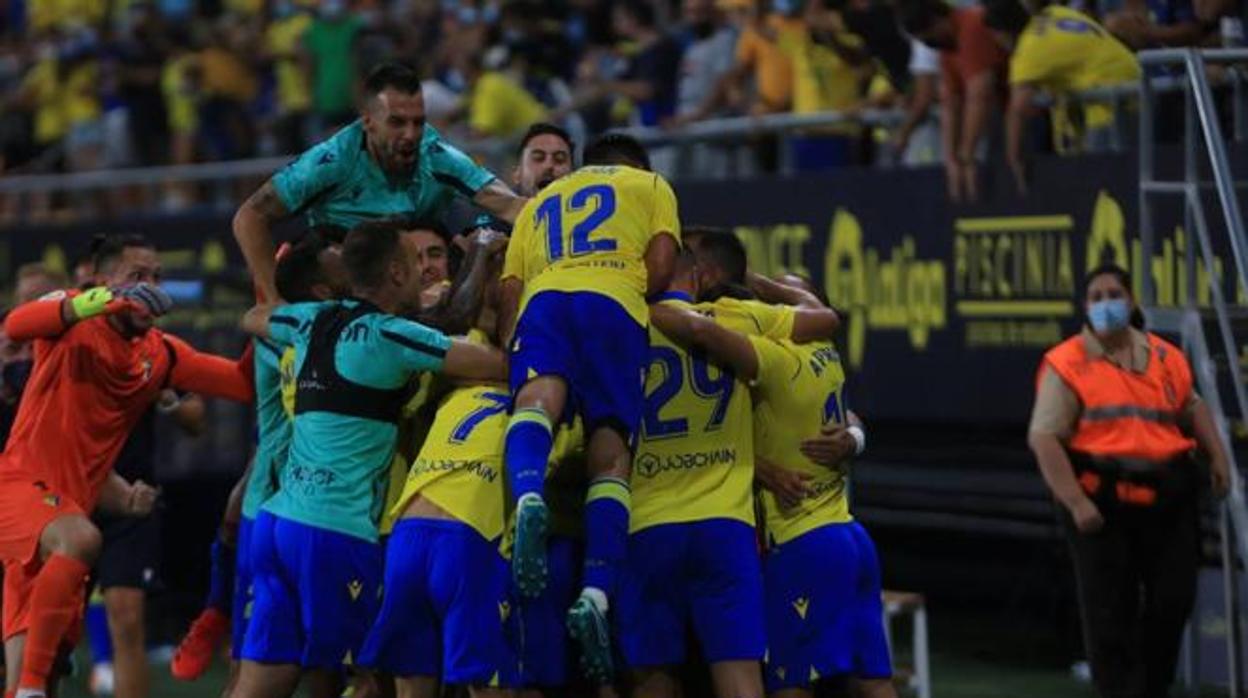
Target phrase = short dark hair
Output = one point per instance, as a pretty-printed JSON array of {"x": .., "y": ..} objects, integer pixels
[
  {"x": 691, "y": 235},
  {"x": 917, "y": 16},
  {"x": 617, "y": 149},
  {"x": 1007, "y": 16},
  {"x": 108, "y": 249},
  {"x": 300, "y": 269},
  {"x": 725, "y": 252},
  {"x": 543, "y": 128},
  {"x": 429, "y": 224},
  {"x": 398, "y": 76},
  {"x": 1109, "y": 268},
  {"x": 368, "y": 250}
]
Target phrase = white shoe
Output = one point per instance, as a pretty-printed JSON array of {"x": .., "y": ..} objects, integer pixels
[{"x": 103, "y": 681}]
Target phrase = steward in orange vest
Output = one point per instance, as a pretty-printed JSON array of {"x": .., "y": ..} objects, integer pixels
[
  {"x": 1128, "y": 424},
  {"x": 1115, "y": 429}
]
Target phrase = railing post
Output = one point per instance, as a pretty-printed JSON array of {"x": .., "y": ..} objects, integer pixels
[{"x": 1146, "y": 178}]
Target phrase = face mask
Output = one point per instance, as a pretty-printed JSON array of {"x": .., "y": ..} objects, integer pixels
[{"x": 1109, "y": 315}]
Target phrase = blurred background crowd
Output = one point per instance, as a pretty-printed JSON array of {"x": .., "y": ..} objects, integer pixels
[{"x": 102, "y": 84}]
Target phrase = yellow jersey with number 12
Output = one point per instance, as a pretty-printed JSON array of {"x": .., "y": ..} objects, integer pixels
[
  {"x": 695, "y": 457},
  {"x": 799, "y": 389},
  {"x": 589, "y": 231}
]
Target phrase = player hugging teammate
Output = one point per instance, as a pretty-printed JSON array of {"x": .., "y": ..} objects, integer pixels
[{"x": 514, "y": 466}]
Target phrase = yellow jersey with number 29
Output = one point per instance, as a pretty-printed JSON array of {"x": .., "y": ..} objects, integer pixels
[
  {"x": 799, "y": 389},
  {"x": 695, "y": 456},
  {"x": 589, "y": 232}
]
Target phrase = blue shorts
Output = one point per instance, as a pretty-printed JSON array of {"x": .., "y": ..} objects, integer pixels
[
  {"x": 446, "y": 610},
  {"x": 703, "y": 572},
  {"x": 824, "y": 613},
  {"x": 316, "y": 594},
  {"x": 244, "y": 594},
  {"x": 598, "y": 349},
  {"x": 546, "y": 655}
]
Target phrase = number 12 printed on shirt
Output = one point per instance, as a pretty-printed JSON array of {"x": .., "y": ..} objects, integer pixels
[{"x": 599, "y": 200}]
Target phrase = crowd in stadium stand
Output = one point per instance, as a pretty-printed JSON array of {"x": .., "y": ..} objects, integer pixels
[{"x": 91, "y": 84}]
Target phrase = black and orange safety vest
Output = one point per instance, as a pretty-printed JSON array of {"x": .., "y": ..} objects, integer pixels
[{"x": 1125, "y": 414}]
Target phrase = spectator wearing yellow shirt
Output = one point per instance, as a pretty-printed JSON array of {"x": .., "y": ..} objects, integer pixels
[
  {"x": 180, "y": 86},
  {"x": 830, "y": 69},
  {"x": 760, "y": 58},
  {"x": 498, "y": 104},
  {"x": 283, "y": 42},
  {"x": 40, "y": 94},
  {"x": 228, "y": 85},
  {"x": 1060, "y": 51},
  {"x": 80, "y": 100},
  {"x": 179, "y": 83},
  {"x": 46, "y": 15}
]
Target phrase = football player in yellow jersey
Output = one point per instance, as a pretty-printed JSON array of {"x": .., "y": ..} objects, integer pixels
[
  {"x": 447, "y": 609},
  {"x": 584, "y": 255},
  {"x": 693, "y": 557},
  {"x": 822, "y": 620}
]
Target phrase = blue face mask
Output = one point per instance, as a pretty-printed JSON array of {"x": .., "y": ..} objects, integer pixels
[{"x": 1109, "y": 315}]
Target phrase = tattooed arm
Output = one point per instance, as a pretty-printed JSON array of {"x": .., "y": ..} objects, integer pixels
[{"x": 251, "y": 230}]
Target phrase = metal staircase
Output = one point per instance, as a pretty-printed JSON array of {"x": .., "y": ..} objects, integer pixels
[{"x": 1211, "y": 337}]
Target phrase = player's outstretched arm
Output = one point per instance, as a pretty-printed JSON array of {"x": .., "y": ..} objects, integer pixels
[
  {"x": 813, "y": 319},
  {"x": 252, "y": 225},
  {"x": 724, "y": 346},
  {"x": 474, "y": 362},
  {"x": 500, "y": 201},
  {"x": 51, "y": 315},
  {"x": 212, "y": 375}
]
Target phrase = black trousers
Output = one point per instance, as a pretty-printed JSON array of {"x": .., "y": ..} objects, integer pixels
[{"x": 1137, "y": 584}]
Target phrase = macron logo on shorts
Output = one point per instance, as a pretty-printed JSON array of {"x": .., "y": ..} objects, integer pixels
[
  {"x": 354, "y": 587},
  {"x": 801, "y": 605}
]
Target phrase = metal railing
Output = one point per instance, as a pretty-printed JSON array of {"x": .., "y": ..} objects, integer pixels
[
  {"x": 1201, "y": 125},
  {"x": 730, "y": 132},
  {"x": 716, "y": 148}
]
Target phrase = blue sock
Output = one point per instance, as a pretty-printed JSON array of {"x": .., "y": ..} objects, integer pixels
[
  {"x": 221, "y": 581},
  {"x": 606, "y": 532},
  {"x": 97, "y": 631},
  {"x": 526, "y": 451}
]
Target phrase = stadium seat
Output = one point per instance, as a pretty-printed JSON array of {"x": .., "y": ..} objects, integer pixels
[{"x": 907, "y": 603}]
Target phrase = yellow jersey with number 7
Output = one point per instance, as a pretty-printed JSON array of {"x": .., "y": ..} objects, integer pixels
[{"x": 589, "y": 232}]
